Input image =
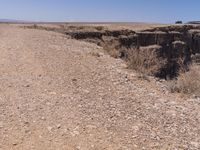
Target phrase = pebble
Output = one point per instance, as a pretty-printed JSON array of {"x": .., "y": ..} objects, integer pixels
[
  {"x": 27, "y": 85},
  {"x": 15, "y": 144},
  {"x": 58, "y": 126},
  {"x": 64, "y": 96},
  {"x": 78, "y": 147},
  {"x": 43, "y": 118},
  {"x": 50, "y": 129},
  {"x": 74, "y": 80},
  {"x": 75, "y": 133},
  {"x": 52, "y": 93},
  {"x": 1, "y": 124}
]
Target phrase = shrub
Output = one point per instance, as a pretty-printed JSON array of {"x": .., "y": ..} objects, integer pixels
[
  {"x": 35, "y": 26},
  {"x": 99, "y": 28},
  {"x": 145, "y": 60},
  {"x": 187, "y": 82}
]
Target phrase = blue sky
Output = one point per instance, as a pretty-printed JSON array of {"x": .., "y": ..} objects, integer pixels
[{"x": 164, "y": 11}]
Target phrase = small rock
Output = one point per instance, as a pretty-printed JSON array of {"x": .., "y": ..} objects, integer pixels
[
  {"x": 64, "y": 96},
  {"x": 80, "y": 106},
  {"x": 52, "y": 93},
  {"x": 27, "y": 131},
  {"x": 86, "y": 91},
  {"x": 43, "y": 118},
  {"x": 75, "y": 133},
  {"x": 74, "y": 80},
  {"x": 92, "y": 146},
  {"x": 48, "y": 104},
  {"x": 78, "y": 147},
  {"x": 91, "y": 127},
  {"x": 196, "y": 96},
  {"x": 27, "y": 85},
  {"x": 58, "y": 126},
  {"x": 40, "y": 136},
  {"x": 15, "y": 144},
  {"x": 49, "y": 129}
]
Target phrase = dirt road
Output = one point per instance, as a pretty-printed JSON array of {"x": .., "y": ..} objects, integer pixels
[{"x": 61, "y": 94}]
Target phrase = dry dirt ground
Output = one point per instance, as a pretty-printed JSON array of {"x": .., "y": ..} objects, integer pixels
[
  {"x": 59, "y": 94},
  {"x": 113, "y": 26}
]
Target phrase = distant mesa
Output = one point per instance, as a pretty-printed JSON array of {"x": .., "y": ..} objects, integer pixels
[
  {"x": 7, "y": 20},
  {"x": 10, "y": 21},
  {"x": 194, "y": 22}
]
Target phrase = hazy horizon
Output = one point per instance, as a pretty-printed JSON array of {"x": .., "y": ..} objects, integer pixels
[{"x": 155, "y": 11}]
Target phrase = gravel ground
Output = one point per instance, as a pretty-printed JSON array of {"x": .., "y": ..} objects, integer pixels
[{"x": 61, "y": 94}]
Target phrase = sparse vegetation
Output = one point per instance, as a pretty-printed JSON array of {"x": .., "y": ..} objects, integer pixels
[
  {"x": 35, "y": 26},
  {"x": 85, "y": 27},
  {"x": 77, "y": 80},
  {"x": 145, "y": 60},
  {"x": 99, "y": 28},
  {"x": 110, "y": 45},
  {"x": 187, "y": 82},
  {"x": 95, "y": 54},
  {"x": 63, "y": 26}
]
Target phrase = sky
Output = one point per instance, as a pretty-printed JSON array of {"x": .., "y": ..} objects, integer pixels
[{"x": 161, "y": 11}]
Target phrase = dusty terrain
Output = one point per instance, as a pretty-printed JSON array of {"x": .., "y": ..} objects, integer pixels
[
  {"x": 56, "y": 93},
  {"x": 110, "y": 26}
]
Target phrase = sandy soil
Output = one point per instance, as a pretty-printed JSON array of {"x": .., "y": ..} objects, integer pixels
[{"x": 58, "y": 94}]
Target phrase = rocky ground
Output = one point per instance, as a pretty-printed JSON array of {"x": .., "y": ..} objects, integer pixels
[{"x": 57, "y": 93}]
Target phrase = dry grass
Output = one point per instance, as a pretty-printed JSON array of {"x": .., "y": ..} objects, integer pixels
[
  {"x": 187, "y": 82},
  {"x": 40, "y": 27},
  {"x": 95, "y": 54},
  {"x": 145, "y": 60},
  {"x": 84, "y": 27},
  {"x": 111, "y": 46},
  {"x": 196, "y": 58}
]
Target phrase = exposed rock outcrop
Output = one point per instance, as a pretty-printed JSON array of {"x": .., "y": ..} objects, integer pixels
[
  {"x": 194, "y": 40},
  {"x": 176, "y": 42}
]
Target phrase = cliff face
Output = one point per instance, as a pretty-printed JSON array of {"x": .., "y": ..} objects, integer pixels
[{"x": 176, "y": 43}]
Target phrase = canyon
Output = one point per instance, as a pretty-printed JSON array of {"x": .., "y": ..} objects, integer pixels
[{"x": 174, "y": 43}]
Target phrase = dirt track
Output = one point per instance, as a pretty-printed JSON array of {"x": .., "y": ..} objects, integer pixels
[{"x": 57, "y": 93}]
